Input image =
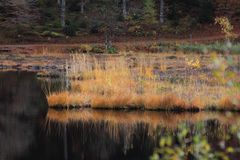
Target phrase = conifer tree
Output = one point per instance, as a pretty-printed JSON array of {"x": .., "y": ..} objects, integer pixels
[{"x": 149, "y": 12}]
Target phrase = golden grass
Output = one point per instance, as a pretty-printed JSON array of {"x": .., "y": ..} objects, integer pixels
[
  {"x": 66, "y": 99},
  {"x": 123, "y": 101},
  {"x": 198, "y": 103},
  {"x": 109, "y": 82},
  {"x": 56, "y": 99},
  {"x": 169, "y": 101},
  {"x": 117, "y": 101},
  {"x": 227, "y": 103}
]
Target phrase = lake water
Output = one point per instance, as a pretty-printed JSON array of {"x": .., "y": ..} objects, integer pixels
[{"x": 29, "y": 130}]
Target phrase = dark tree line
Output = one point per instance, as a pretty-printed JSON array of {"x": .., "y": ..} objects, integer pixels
[
  {"x": 152, "y": 10},
  {"x": 113, "y": 17}
]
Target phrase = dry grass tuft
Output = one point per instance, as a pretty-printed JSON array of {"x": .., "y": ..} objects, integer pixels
[
  {"x": 198, "y": 103},
  {"x": 117, "y": 101},
  {"x": 166, "y": 102},
  {"x": 226, "y": 103},
  {"x": 66, "y": 99},
  {"x": 58, "y": 99}
]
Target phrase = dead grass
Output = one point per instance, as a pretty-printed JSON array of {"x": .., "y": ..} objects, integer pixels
[
  {"x": 57, "y": 99},
  {"x": 227, "y": 103},
  {"x": 198, "y": 103},
  {"x": 117, "y": 82},
  {"x": 117, "y": 102},
  {"x": 166, "y": 102},
  {"x": 66, "y": 99}
]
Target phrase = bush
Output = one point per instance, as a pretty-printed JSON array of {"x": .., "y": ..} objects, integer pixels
[
  {"x": 96, "y": 27},
  {"x": 45, "y": 3},
  {"x": 85, "y": 48},
  {"x": 112, "y": 50},
  {"x": 49, "y": 14},
  {"x": 136, "y": 30},
  {"x": 97, "y": 49},
  {"x": 70, "y": 29},
  {"x": 56, "y": 24},
  {"x": 83, "y": 24}
]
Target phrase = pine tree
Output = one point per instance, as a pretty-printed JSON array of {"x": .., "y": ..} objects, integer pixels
[
  {"x": 63, "y": 10},
  {"x": 161, "y": 14},
  {"x": 124, "y": 8},
  {"x": 149, "y": 12}
]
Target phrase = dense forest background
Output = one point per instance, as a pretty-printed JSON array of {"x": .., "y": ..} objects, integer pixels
[{"x": 76, "y": 18}]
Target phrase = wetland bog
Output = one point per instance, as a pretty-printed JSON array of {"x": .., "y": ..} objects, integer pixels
[{"x": 129, "y": 106}]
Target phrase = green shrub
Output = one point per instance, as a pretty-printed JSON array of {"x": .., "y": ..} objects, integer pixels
[
  {"x": 71, "y": 28},
  {"x": 83, "y": 24},
  {"x": 56, "y": 24},
  {"x": 167, "y": 27},
  {"x": 95, "y": 27},
  {"x": 112, "y": 50},
  {"x": 49, "y": 14}
]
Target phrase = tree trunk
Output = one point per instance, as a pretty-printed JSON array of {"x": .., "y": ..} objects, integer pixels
[
  {"x": 82, "y": 6},
  {"x": 63, "y": 10},
  {"x": 161, "y": 11},
  {"x": 124, "y": 5}
]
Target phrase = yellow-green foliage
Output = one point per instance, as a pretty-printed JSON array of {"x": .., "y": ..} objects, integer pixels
[
  {"x": 85, "y": 48},
  {"x": 226, "y": 27}
]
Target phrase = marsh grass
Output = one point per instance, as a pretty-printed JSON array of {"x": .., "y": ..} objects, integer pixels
[
  {"x": 66, "y": 99},
  {"x": 141, "y": 81}
]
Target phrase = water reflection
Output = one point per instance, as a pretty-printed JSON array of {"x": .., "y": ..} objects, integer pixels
[
  {"x": 28, "y": 130},
  {"x": 22, "y": 106},
  {"x": 96, "y": 134}
]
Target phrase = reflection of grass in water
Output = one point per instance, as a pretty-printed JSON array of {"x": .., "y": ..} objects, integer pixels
[
  {"x": 169, "y": 120},
  {"x": 157, "y": 125},
  {"x": 141, "y": 82}
]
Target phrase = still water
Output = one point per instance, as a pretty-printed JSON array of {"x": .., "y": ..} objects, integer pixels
[{"x": 29, "y": 130}]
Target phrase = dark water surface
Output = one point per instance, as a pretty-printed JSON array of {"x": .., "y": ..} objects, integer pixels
[{"x": 31, "y": 131}]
